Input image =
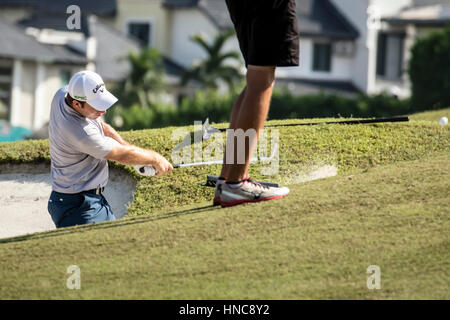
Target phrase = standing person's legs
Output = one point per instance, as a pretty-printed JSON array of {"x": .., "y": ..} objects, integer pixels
[
  {"x": 233, "y": 120},
  {"x": 267, "y": 32},
  {"x": 250, "y": 112}
]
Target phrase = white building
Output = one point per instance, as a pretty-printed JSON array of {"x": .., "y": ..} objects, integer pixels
[
  {"x": 388, "y": 30},
  {"x": 39, "y": 53},
  {"x": 346, "y": 46}
]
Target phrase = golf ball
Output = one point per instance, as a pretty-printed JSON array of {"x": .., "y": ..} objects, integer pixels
[{"x": 443, "y": 121}]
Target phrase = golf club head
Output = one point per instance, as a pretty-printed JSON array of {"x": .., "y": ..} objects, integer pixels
[{"x": 208, "y": 130}]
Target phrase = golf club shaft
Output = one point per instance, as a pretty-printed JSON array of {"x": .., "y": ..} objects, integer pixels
[
  {"x": 364, "y": 121},
  {"x": 206, "y": 163},
  {"x": 149, "y": 170},
  {"x": 192, "y": 164}
]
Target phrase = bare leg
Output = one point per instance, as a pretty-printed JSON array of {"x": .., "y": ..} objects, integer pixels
[
  {"x": 234, "y": 115},
  {"x": 250, "y": 112}
]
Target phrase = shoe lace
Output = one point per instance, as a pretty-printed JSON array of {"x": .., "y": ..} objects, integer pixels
[{"x": 259, "y": 185}]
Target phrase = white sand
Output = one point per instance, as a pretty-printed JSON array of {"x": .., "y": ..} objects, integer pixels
[
  {"x": 309, "y": 173},
  {"x": 25, "y": 190}
]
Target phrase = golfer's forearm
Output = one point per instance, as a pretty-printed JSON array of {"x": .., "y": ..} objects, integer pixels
[{"x": 131, "y": 155}]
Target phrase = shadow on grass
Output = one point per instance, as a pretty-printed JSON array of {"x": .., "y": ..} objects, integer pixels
[{"x": 106, "y": 225}]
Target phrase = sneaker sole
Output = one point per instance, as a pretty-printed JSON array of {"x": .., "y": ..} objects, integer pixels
[
  {"x": 216, "y": 201},
  {"x": 237, "y": 202}
]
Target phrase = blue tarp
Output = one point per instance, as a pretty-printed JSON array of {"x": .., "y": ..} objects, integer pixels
[{"x": 10, "y": 133}]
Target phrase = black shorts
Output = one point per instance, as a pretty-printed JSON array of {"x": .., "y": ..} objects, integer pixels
[{"x": 267, "y": 31}]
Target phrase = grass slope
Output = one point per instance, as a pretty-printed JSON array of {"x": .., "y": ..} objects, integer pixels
[
  {"x": 388, "y": 207},
  {"x": 316, "y": 243},
  {"x": 434, "y": 115},
  {"x": 349, "y": 148}
]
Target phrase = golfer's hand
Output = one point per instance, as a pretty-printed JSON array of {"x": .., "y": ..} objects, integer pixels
[{"x": 162, "y": 166}]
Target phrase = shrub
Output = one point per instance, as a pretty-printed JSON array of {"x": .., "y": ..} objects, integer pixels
[
  {"x": 134, "y": 117},
  {"x": 283, "y": 106},
  {"x": 206, "y": 104},
  {"x": 429, "y": 70}
]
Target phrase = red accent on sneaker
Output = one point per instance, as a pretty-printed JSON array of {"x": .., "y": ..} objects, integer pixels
[{"x": 216, "y": 201}]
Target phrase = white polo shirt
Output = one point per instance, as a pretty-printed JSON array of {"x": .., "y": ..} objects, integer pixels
[{"x": 78, "y": 148}]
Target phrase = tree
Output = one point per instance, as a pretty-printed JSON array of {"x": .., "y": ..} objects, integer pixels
[
  {"x": 145, "y": 80},
  {"x": 429, "y": 71},
  {"x": 209, "y": 71}
]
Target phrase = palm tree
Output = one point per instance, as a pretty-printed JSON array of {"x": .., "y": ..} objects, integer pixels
[
  {"x": 146, "y": 77},
  {"x": 209, "y": 71}
]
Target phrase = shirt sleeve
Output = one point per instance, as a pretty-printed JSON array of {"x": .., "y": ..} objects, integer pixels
[{"x": 95, "y": 144}]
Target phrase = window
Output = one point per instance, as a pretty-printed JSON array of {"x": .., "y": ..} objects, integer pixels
[
  {"x": 5, "y": 90},
  {"x": 142, "y": 31},
  {"x": 390, "y": 56},
  {"x": 322, "y": 57},
  {"x": 65, "y": 77}
]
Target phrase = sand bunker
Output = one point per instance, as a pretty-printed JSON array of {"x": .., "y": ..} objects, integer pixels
[{"x": 25, "y": 190}]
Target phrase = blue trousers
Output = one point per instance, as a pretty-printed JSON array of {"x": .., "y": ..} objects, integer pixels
[{"x": 80, "y": 208}]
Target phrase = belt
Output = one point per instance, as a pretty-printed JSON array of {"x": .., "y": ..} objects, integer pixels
[{"x": 95, "y": 191}]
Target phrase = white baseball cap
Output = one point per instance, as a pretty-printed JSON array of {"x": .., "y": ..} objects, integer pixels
[{"x": 88, "y": 86}]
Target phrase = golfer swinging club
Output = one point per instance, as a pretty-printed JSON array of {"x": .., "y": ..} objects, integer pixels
[
  {"x": 80, "y": 144},
  {"x": 268, "y": 37}
]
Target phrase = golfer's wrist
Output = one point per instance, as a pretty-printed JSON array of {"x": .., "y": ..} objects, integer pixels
[{"x": 147, "y": 157}]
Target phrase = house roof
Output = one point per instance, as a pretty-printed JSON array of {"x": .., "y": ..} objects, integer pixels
[
  {"x": 14, "y": 43},
  {"x": 112, "y": 46},
  {"x": 180, "y": 3},
  {"x": 430, "y": 15},
  {"x": 112, "y": 50},
  {"x": 56, "y": 21},
  {"x": 315, "y": 17},
  {"x": 172, "y": 68},
  {"x": 419, "y": 3},
  {"x": 97, "y": 7},
  {"x": 322, "y": 18},
  {"x": 216, "y": 10}
]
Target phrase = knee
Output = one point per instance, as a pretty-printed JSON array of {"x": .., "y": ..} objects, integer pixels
[{"x": 260, "y": 77}]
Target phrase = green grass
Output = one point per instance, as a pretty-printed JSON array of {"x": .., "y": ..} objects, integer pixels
[
  {"x": 317, "y": 243},
  {"x": 388, "y": 206},
  {"x": 350, "y": 148},
  {"x": 431, "y": 115}
]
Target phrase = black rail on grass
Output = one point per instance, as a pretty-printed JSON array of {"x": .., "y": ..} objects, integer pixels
[
  {"x": 377, "y": 120},
  {"x": 364, "y": 121}
]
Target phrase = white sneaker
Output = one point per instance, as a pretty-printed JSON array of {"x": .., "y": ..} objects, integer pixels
[
  {"x": 216, "y": 201},
  {"x": 248, "y": 191},
  {"x": 220, "y": 180}
]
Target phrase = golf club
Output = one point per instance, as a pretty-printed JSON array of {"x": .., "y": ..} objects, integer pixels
[
  {"x": 208, "y": 130},
  {"x": 148, "y": 170}
]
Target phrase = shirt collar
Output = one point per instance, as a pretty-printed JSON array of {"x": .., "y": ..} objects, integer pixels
[{"x": 69, "y": 109}]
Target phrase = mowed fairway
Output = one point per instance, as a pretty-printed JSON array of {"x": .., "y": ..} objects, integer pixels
[{"x": 314, "y": 244}]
